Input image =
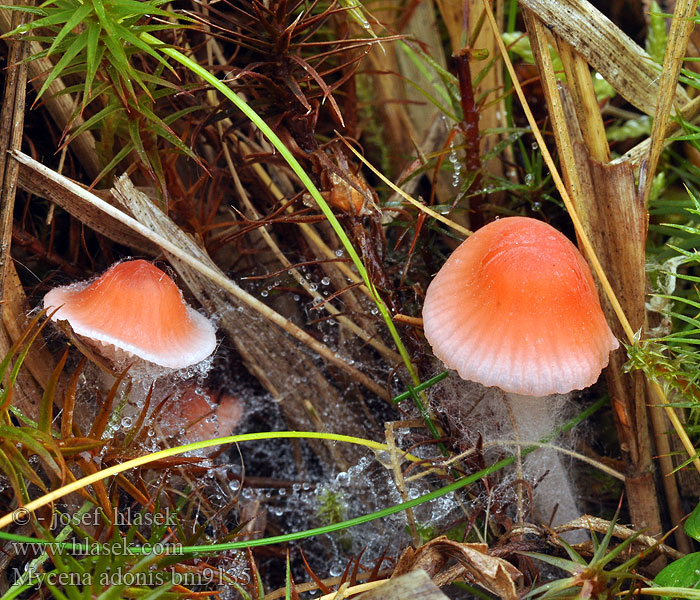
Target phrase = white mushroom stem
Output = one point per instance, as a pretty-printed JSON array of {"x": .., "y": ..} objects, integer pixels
[{"x": 535, "y": 419}]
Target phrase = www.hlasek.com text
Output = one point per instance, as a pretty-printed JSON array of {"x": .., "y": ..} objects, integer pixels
[{"x": 114, "y": 548}]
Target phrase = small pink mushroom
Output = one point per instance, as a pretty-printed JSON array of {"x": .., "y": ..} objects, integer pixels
[{"x": 135, "y": 310}]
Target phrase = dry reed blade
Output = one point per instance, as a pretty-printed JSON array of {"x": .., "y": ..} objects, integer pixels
[
  {"x": 679, "y": 34},
  {"x": 578, "y": 77},
  {"x": 621, "y": 62},
  {"x": 86, "y": 213}
]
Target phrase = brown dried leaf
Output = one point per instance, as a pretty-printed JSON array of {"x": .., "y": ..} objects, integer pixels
[{"x": 493, "y": 574}]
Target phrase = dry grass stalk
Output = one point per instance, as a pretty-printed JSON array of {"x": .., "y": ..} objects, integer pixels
[
  {"x": 622, "y": 63},
  {"x": 679, "y": 34},
  {"x": 11, "y": 128},
  {"x": 615, "y": 219},
  {"x": 616, "y": 226},
  {"x": 13, "y": 307},
  {"x": 401, "y": 193},
  {"x": 642, "y": 543}
]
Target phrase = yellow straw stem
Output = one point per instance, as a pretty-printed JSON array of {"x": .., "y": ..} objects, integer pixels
[{"x": 148, "y": 458}]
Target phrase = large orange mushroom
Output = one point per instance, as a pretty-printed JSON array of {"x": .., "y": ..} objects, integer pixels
[{"x": 515, "y": 307}]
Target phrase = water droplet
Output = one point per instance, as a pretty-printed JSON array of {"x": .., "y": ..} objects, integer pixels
[
  {"x": 335, "y": 571},
  {"x": 264, "y": 293},
  {"x": 325, "y": 281}
]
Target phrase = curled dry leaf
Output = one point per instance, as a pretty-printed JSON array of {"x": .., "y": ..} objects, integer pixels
[{"x": 493, "y": 574}]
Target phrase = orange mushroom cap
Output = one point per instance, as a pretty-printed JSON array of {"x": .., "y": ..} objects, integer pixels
[
  {"x": 515, "y": 306},
  {"x": 138, "y": 309}
]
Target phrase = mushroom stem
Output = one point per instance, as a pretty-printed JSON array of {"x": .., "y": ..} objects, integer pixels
[{"x": 535, "y": 418}]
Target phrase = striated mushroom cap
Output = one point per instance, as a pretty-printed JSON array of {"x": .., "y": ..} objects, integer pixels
[
  {"x": 137, "y": 309},
  {"x": 515, "y": 306}
]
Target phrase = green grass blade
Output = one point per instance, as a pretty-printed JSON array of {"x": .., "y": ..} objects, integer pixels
[
  {"x": 77, "y": 46},
  {"x": 75, "y": 19}
]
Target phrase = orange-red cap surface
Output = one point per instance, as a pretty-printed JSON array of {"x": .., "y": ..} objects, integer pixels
[
  {"x": 137, "y": 308},
  {"x": 515, "y": 306}
]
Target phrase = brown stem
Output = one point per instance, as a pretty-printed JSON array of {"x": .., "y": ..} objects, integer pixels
[{"x": 470, "y": 130}]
